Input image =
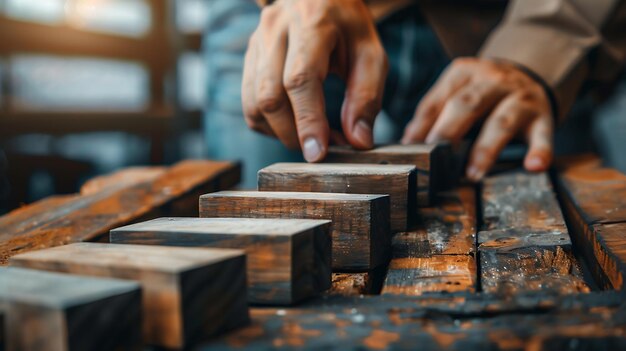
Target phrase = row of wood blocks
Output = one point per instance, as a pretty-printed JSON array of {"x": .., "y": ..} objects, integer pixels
[{"x": 188, "y": 294}]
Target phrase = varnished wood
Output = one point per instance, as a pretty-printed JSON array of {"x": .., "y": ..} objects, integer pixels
[
  {"x": 289, "y": 260},
  {"x": 189, "y": 294},
  {"x": 398, "y": 181},
  {"x": 430, "y": 161},
  {"x": 525, "y": 244},
  {"x": 593, "y": 198},
  {"x": 89, "y": 217},
  {"x": 50, "y": 311},
  {"x": 360, "y": 223},
  {"x": 437, "y": 255}
]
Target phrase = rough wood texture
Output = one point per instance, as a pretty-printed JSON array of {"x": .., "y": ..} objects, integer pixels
[
  {"x": 438, "y": 322},
  {"x": 593, "y": 198},
  {"x": 525, "y": 245},
  {"x": 430, "y": 161},
  {"x": 50, "y": 311},
  {"x": 437, "y": 255},
  {"x": 398, "y": 181},
  {"x": 74, "y": 218},
  {"x": 288, "y": 259},
  {"x": 360, "y": 223},
  {"x": 189, "y": 294}
]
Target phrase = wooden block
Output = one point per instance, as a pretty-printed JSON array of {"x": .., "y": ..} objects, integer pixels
[
  {"x": 360, "y": 223},
  {"x": 51, "y": 311},
  {"x": 429, "y": 160},
  {"x": 358, "y": 283},
  {"x": 415, "y": 276},
  {"x": 112, "y": 202},
  {"x": 288, "y": 259},
  {"x": 398, "y": 181},
  {"x": 525, "y": 245},
  {"x": 189, "y": 294}
]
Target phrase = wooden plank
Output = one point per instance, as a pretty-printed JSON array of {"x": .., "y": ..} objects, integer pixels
[
  {"x": 189, "y": 294},
  {"x": 437, "y": 255},
  {"x": 396, "y": 180},
  {"x": 288, "y": 259},
  {"x": 89, "y": 217},
  {"x": 525, "y": 245},
  {"x": 429, "y": 160},
  {"x": 593, "y": 201},
  {"x": 51, "y": 311},
  {"x": 360, "y": 223},
  {"x": 121, "y": 179}
]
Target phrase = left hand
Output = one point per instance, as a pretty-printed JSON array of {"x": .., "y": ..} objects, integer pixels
[{"x": 514, "y": 104}]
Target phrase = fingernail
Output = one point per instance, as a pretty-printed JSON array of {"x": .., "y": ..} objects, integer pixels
[
  {"x": 535, "y": 162},
  {"x": 363, "y": 133},
  {"x": 311, "y": 149}
]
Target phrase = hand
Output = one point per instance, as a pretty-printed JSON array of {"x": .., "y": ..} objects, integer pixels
[
  {"x": 514, "y": 104},
  {"x": 296, "y": 45}
]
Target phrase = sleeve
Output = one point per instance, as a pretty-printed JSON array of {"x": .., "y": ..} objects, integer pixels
[{"x": 562, "y": 42}]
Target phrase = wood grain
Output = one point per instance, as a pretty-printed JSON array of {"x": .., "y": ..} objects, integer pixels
[
  {"x": 430, "y": 160},
  {"x": 51, "y": 311},
  {"x": 593, "y": 200},
  {"x": 398, "y": 181},
  {"x": 437, "y": 255},
  {"x": 89, "y": 217},
  {"x": 360, "y": 223},
  {"x": 525, "y": 244},
  {"x": 289, "y": 260},
  {"x": 189, "y": 294}
]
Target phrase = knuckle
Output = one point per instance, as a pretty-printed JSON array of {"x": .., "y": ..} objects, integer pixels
[
  {"x": 485, "y": 153},
  {"x": 297, "y": 80},
  {"x": 469, "y": 99},
  {"x": 270, "y": 102}
]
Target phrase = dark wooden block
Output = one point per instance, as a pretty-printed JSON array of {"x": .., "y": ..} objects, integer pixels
[
  {"x": 189, "y": 294},
  {"x": 360, "y": 223},
  {"x": 112, "y": 201},
  {"x": 288, "y": 259},
  {"x": 525, "y": 245},
  {"x": 51, "y": 311},
  {"x": 430, "y": 161},
  {"x": 398, "y": 181}
]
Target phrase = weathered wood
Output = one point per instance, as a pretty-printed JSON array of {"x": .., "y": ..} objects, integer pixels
[
  {"x": 189, "y": 294},
  {"x": 438, "y": 322},
  {"x": 360, "y": 223},
  {"x": 89, "y": 217},
  {"x": 593, "y": 200},
  {"x": 398, "y": 181},
  {"x": 51, "y": 311},
  {"x": 122, "y": 179},
  {"x": 288, "y": 259},
  {"x": 358, "y": 283},
  {"x": 430, "y": 161},
  {"x": 436, "y": 256},
  {"x": 525, "y": 244}
]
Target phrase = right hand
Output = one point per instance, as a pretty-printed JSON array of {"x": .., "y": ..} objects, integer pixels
[{"x": 296, "y": 45}]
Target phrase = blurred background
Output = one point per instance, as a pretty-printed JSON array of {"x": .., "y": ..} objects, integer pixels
[{"x": 90, "y": 86}]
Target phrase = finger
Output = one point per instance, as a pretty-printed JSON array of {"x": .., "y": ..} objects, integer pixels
[
  {"x": 364, "y": 94},
  {"x": 252, "y": 115},
  {"x": 540, "y": 137},
  {"x": 306, "y": 68},
  {"x": 427, "y": 111},
  {"x": 271, "y": 97},
  {"x": 463, "y": 109},
  {"x": 500, "y": 127}
]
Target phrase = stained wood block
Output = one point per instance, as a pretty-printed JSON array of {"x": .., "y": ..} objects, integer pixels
[
  {"x": 289, "y": 260},
  {"x": 51, "y": 311},
  {"x": 593, "y": 200},
  {"x": 525, "y": 245},
  {"x": 430, "y": 161},
  {"x": 398, "y": 181},
  {"x": 415, "y": 276},
  {"x": 360, "y": 223},
  {"x": 111, "y": 202},
  {"x": 189, "y": 294}
]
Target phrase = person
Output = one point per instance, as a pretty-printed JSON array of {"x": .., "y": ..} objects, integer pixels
[{"x": 438, "y": 68}]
